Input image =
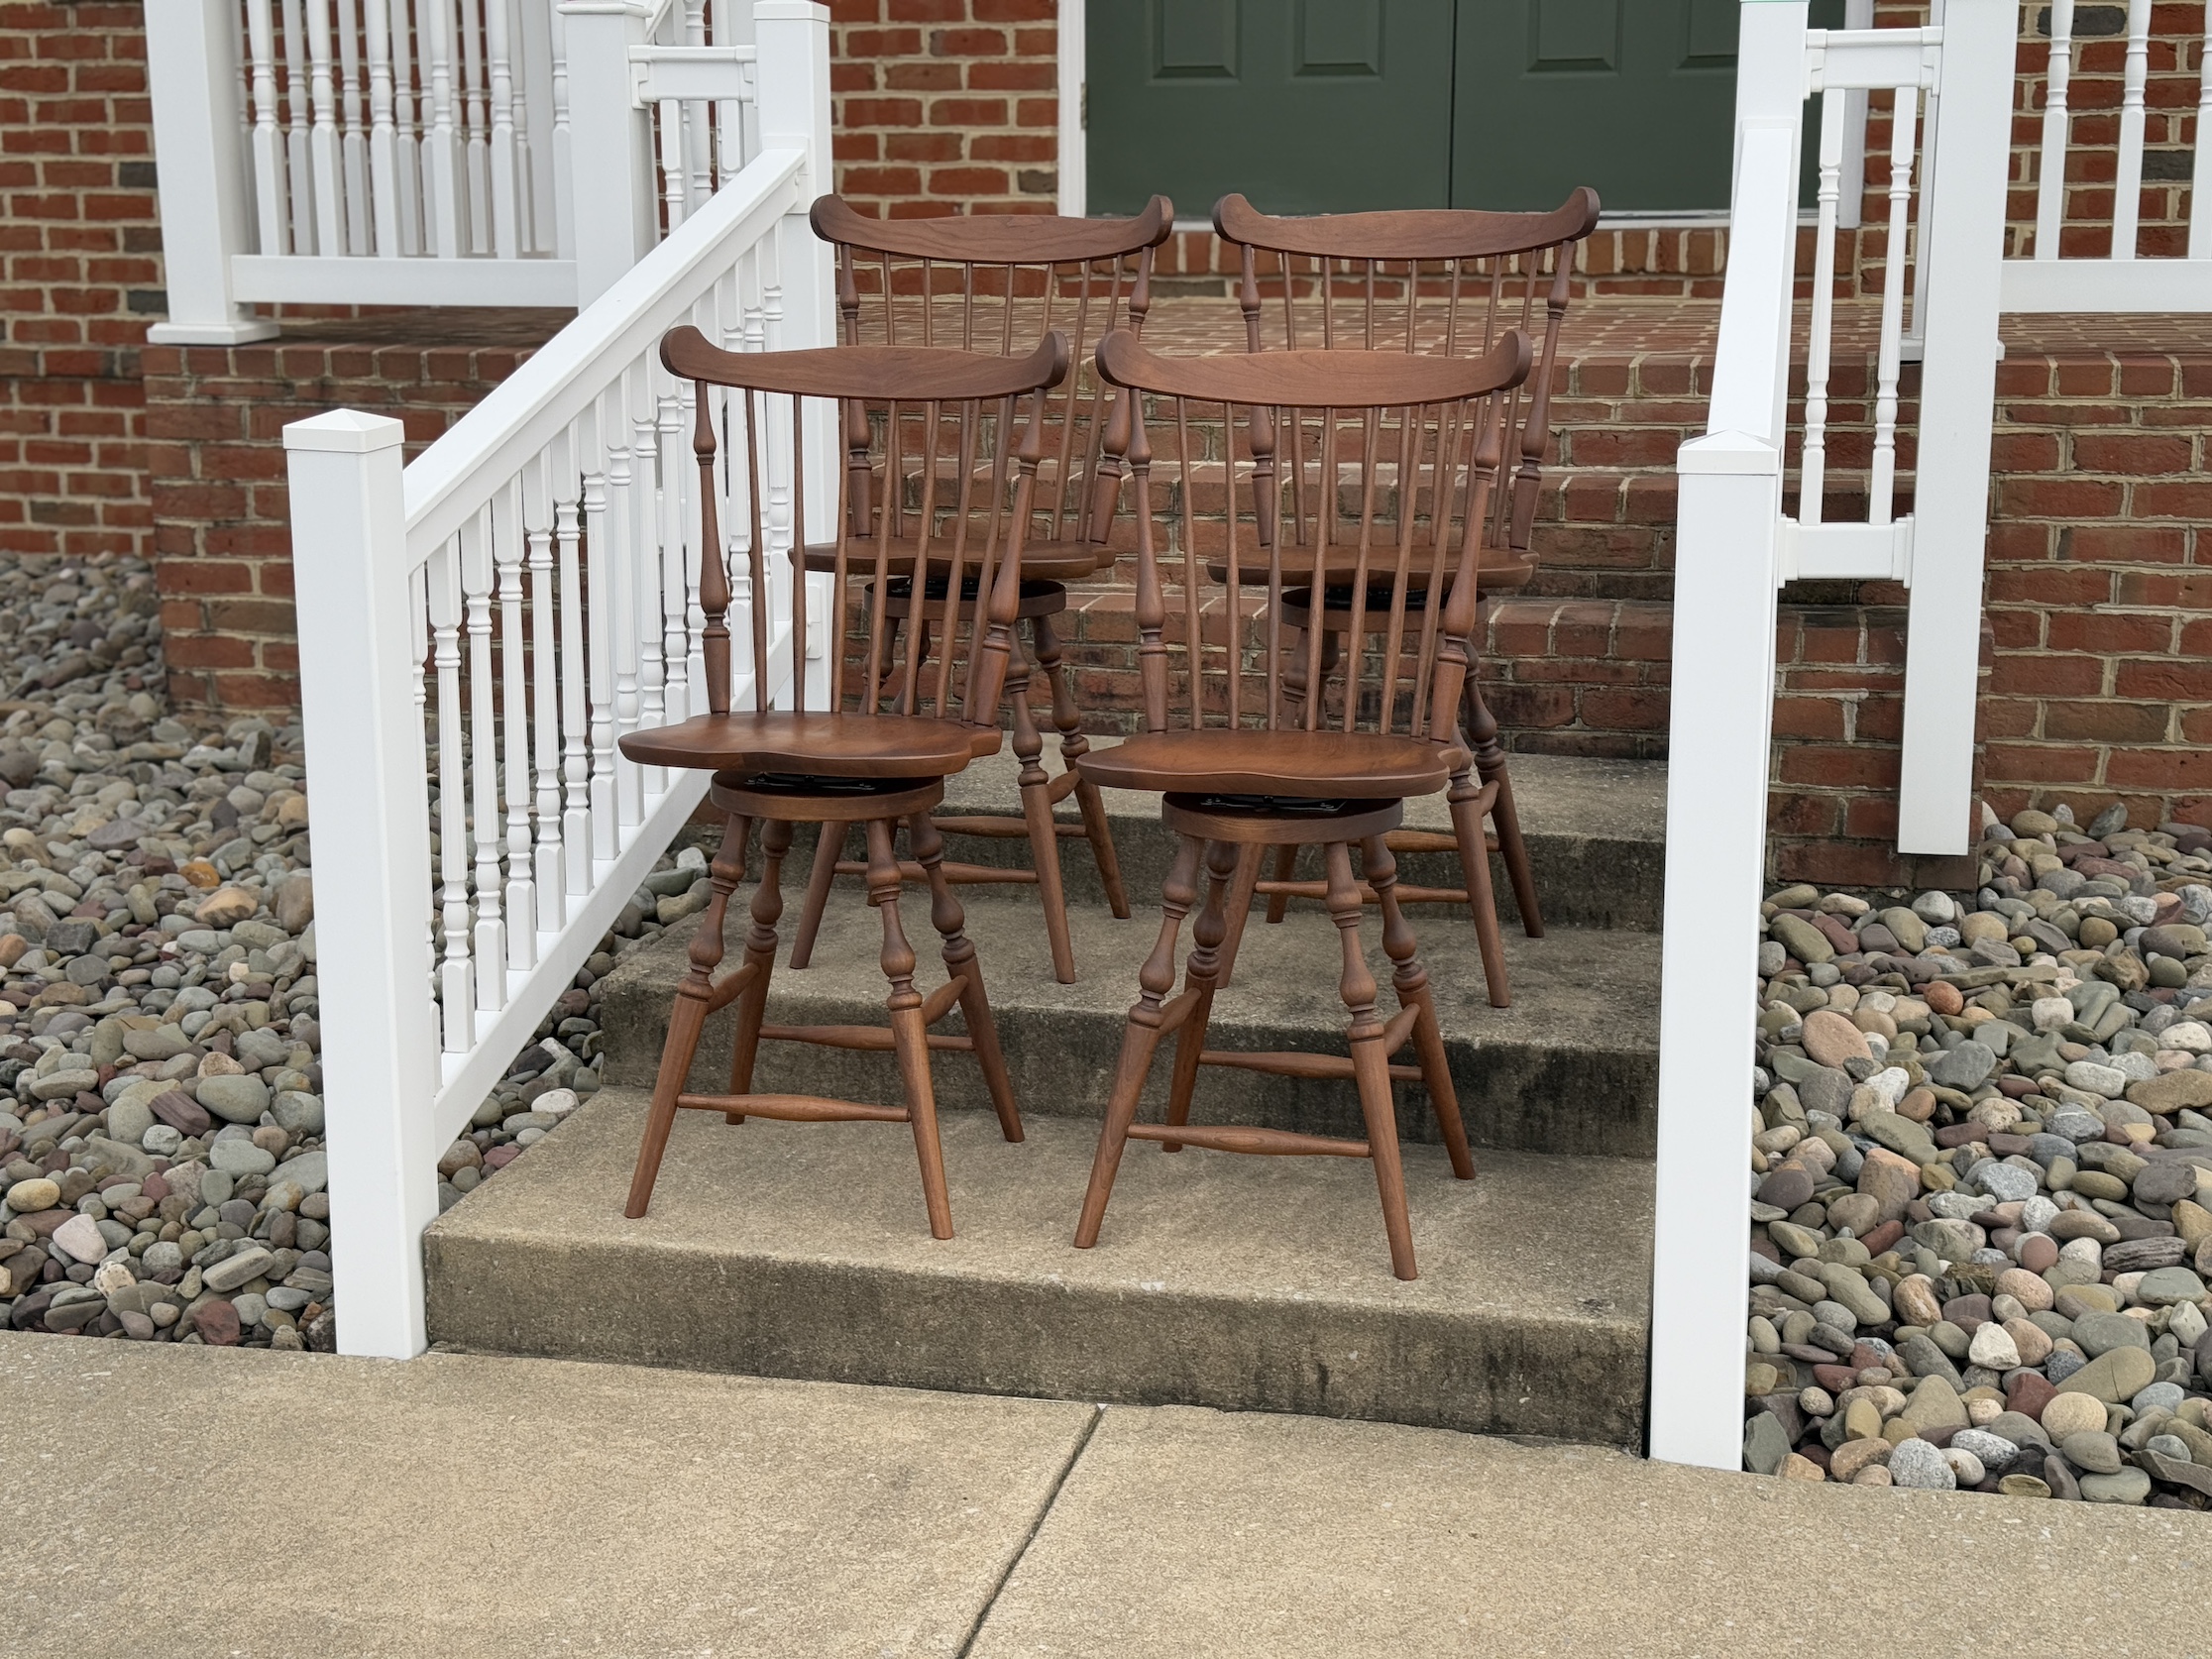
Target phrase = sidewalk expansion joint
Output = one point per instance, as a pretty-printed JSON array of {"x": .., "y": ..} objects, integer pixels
[{"x": 1044, "y": 1512}]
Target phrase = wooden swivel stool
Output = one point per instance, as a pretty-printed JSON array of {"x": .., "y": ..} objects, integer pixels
[
  {"x": 1241, "y": 766},
  {"x": 875, "y": 756}
]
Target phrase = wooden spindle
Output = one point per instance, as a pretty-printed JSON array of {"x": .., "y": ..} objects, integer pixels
[{"x": 713, "y": 578}]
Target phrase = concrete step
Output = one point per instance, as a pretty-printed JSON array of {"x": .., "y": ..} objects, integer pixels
[
  {"x": 1595, "y": 832},
  {"x": 1572, "y": 1067},
  {"x": 1264, "y": 1283}
]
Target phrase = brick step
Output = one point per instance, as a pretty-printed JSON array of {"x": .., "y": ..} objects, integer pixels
[{"x": 1241, "y": 1283}]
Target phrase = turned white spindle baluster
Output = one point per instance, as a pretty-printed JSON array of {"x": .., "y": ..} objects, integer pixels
[
  {"x": 509, "y": 546},
  {"x": 679, "y": 584},
  {"x": 1812, "y": 471},
  {"x": 564, "y": 185},
  {"x": 622, "y": 581},
  {"x": 484, "y": 765},
  {"x": 442, "y": 183},
  {"x": 418, "y": 619},
  {"x": 652, "y": 667},
  {"x": 270, "y": 189},
  {"x": 598, "y": 610},
  {"x": 1882, "y": 485},
  {"x": 383, "y": 137},
  {"x": 300, "y": 164},
  {"x": 457, "y": 978},
  {"x": 2050, "y": 179},
  {"x": 474, "y": 100},
  {"x": 354, "y": 149},
  {"x": 506, "y": 208},
  {"x": 545, "y": 702},
  {"x": 2127, "y": 186},
  {"x": 2200, "y": 176},
  {"x": 407, "y": 131},
  {"x": 322, "y": 138},
  {"x": 576, "y": 758},
  {"x": 668, "y": 116},
  {"x": 697, "y": 133}
]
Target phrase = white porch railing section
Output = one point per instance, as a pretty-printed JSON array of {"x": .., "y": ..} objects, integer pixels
[
  {"x": 479, "y": 629},
  {"x": 1735, "y": 545},
  {"x": 2050, "y": 279},
  {"x": 433, "y": 151}
]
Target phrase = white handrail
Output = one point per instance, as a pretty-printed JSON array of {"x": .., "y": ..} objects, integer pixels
[{"x": 477, "y": 634}]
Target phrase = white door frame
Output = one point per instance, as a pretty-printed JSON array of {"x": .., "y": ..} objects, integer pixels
[{"x": 1075, "y": 154}]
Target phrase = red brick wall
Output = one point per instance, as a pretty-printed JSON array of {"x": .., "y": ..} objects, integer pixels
[
  {"x": 946, "y": 106},
  {"x": 80, "y": 249},
  {"x": 215, "y": 456}
]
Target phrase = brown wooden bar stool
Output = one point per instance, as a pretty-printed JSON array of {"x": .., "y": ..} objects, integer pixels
[
  {"x": 1239, "y": 765},
  {"x": 999, "y": 283},
  {"x": 894, "y": 729},
  {"x": 1435, "y": 282}
]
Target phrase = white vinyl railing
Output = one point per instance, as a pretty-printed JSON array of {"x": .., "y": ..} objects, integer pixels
[
  {"x": 2118, "y": 280},
  {"x": 479, "y": 629},
  {"x": 433, "y": 151},
  {"x": 1734, "y": 546}
]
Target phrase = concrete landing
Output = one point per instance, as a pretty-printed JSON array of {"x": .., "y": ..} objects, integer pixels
[
  {"x": 1572, "y": 1067},
  {"x": 517, "y": 1509},
  {"x": 1243, "y": 1282}
]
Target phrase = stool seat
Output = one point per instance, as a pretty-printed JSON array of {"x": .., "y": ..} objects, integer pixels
[
  {"x": 816, "y": 745},
  {"x": 1294, "y": 765}
]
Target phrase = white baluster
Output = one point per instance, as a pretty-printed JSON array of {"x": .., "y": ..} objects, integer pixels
[
  {"x": 599, "y": 613},
  {"x": 383, "y": 136},
  {"x": 1812, "y": 470},
  {"x": 457, "y": 990},
  {"x": 2200, "y": 187},
  {"x": 509, "y": 547},
  {"x": 622, "y": 581},
  {"x": 2127, "y": 188},
  {"x": 670, "y": 117},
  {"x": 698, "y": 137},
  {"x": 268, "y": 146},
  {"x": 356, "y": 144},
  {"x": 474, "y": 83},
  {"x": 442, "y": 184},
  {"x": 576, "y": 758},
  {"x": 652, "y": 667},
  {"x": 2050, "y": 181},
  {"x": 323, "y": 138},
  {"x": 484, "y": 765},
  {"x": 564, "y": 181},
  {"x": 418, "y": 621},
  {"x": 1882, "y": 485},
  {"x": 298, "y": 150},
  {"x": 545, "y": 702},
  {"x": 507, "y": 209},
  {"x": 406, "y": 35}
]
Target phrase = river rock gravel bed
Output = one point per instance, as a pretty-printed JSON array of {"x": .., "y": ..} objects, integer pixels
[
  {"x": 1981, "y": 1225},
  {"x": 162, "y": 1172}
]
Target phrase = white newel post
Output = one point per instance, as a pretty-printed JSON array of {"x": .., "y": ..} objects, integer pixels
[
  {"x": 611, "y": 171},
  {"x": 371, "y": 802},
  {"x": 1727, "y": 519},
  {"x": 1964, "y": 258},
  {"x": 793, "y": 41},
  {"x": 192, "y": 74}
]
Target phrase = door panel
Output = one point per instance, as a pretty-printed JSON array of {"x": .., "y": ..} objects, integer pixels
[{"x": 1306, "y": 106}]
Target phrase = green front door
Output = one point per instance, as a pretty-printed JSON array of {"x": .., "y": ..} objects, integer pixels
[{"x": 1311, "y": 106}]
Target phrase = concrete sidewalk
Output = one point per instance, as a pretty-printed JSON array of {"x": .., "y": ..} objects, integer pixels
[{"x": 200, "y": 1501}]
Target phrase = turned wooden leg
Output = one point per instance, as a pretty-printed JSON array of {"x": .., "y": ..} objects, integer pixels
[
  {"x": 1200, "y": 973},
  {"x": 760, "y": 952},
  {"x": 1473, "y": 855},
  {"x": 1285, "y": 867},
  {"x": 688, "y": 1015},
  {"x": 1240, "y": 890},
  {"x": 830, "y": 844},
  {"x": 1037, "y": 812},
  {"x": 1371, "y": 1067},
  {"x": 1410, "y": 981},
  {"x": 951, "y": 922},
  {"x": 1490, "y": 766},
  {"x": 1074, "y": 746},
  {"x": 908, "y": 1038},
  {"x": 1140, "y": 1038}
]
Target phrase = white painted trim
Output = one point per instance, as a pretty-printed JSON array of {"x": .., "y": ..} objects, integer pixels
[
  {"x": 1853, "y": 552},
  {"x": 2100, "y": 285},
  {"x": 311, "y": 278},
  {"x": 1074, "y": 146}
]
